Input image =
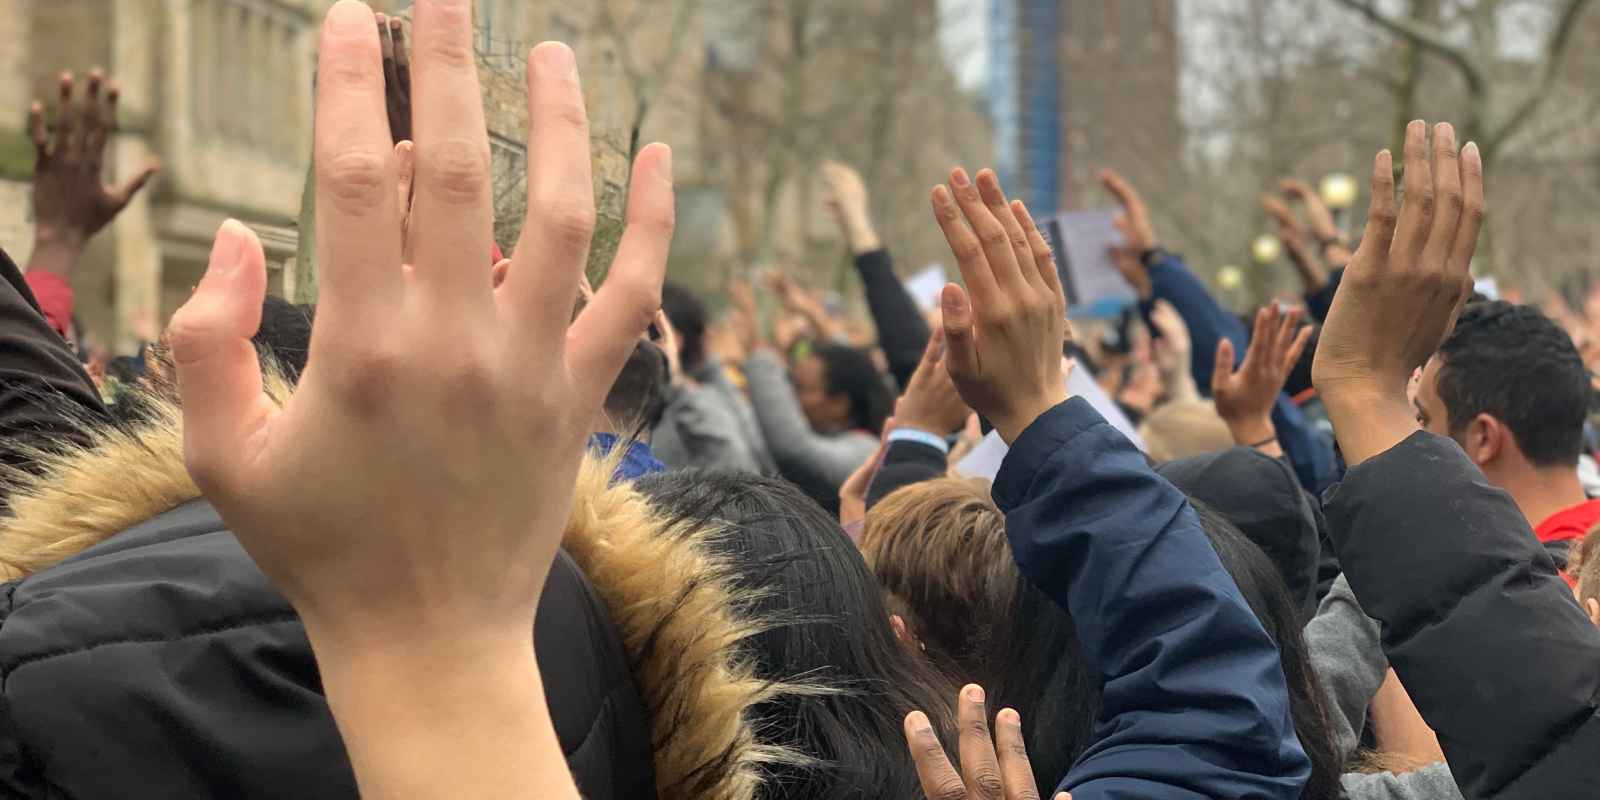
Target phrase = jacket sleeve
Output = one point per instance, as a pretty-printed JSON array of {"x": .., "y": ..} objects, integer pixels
[
  {"x": 45, "y": 396},
  {"x": 1194, "y": 702},
  {"x": 904, "y": 464},
  {"x": 1476, "y": 621},
  {"x": 696, "y": 431},
  {"x": 1209, "y": 323},
  {"x": 1432, "y": 782},
  {"x": 902, "y": 331},
  {"x": 1319, "y": 301},
  {"x": 803, "y": 455}
]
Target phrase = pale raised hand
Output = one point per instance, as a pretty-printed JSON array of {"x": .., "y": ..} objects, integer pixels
[
  {"x": 410, "y": 497},
  {"x": 1004, "y": 332},
  {"x": 1245, "y": 396}
]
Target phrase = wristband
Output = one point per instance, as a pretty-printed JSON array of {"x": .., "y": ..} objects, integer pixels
[{"x": 920, "y": 437}]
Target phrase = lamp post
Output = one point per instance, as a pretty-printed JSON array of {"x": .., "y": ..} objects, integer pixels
[
  {"x": 1338, "y": 191},
  {"x": 1264, "y": 250}
]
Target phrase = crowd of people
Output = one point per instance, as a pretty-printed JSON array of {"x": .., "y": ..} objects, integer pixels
[{"x": 470, "y": 527}]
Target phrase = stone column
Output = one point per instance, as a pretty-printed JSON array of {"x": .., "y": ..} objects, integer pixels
[{"x": 135, "y": 47}]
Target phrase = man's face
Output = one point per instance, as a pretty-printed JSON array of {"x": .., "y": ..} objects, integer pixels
[{"x": 1431, "y": 413}]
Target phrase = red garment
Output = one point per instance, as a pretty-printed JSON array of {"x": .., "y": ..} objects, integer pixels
[
  {"x": 54, "y": 294},
  {"x": 1569, "y": 523}
]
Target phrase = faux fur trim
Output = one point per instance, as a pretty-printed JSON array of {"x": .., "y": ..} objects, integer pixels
[{"x": 672, "y": 599}]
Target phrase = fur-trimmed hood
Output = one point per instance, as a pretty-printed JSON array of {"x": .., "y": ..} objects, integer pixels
[{"x": 670, "y": 597}]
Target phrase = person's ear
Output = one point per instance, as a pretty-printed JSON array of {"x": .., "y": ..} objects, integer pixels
[
  {"x": 1592, "y": 607},
  {"x": 1484, "y": 439},
  {"x": 903, "y": 634},
  {"x": 838, "y": 406}
]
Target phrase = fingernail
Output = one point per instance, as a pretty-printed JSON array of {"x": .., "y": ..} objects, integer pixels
[
  {"x": 1010, "y": 717},
  {"x": 1470, "y": 151},
  {"x": 918, "y": 721},
  {"x": 959, "y": 178},
  {"x": 229, "y": 248},
  {"x": 941, "y": 195},
  {"x": 950, "y": 301},
  {"x": 350, "y": 16},
  {"x": 558, "y": 58},
  {"x": 974, "y": 693},
  {"x": 664, "y": 167}
]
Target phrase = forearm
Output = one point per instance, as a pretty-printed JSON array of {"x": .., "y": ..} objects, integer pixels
[
  {"x": 1397, "y": 726},
  {"x": 859, "y": 232},
  {"x": 460, "y": 718},
  {"x": 902, "y": 331},
  {"x": 58, "y": 255},
  {"x": 1207, "y": 320}
]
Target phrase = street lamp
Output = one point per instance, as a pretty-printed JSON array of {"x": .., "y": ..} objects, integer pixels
[
  {"x": 1265, "y": 249},
  {"x": 1338, "y": 192},
  {"x": 1230, "y": 277}
]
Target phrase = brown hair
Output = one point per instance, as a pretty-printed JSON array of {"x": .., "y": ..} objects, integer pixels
[{"x": 939, "y": 550}]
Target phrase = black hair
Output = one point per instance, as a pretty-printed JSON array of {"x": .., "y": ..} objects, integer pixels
[
  {"x": 1517, "y": 365},
  {"x": 638, "y": 396},
  {"x": 1263, "y": 589},
  {"x": 850, "y": 371},
  {"x": 688, "y": 317},
  {"x": 827, "y": 626},
  {"x": 285, "y": 334}
]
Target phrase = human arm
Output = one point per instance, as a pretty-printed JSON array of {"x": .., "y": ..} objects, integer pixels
[
  {"x": 417, "y": 379},
  {"x": 902, "y": 331},
  {"x": 1333, "y": 244},
  {"x": 803, "y": 455},
  {"x": 1307, "y": 264},
  {"x": 1195, "y": 703},
  {"x": 1445, "y": 561},
  {"x": 1172, "y": 352},
  {"x": 70, "y": 204}
]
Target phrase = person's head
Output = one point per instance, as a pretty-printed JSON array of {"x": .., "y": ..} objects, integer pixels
[
  {"x": 1184, "y": 428},
  {"x": 823, "y": 623},
  {"x": 688, "y": 316},
  {"x": 940, "y": 554},
  {"x": 840, "y": 389},
  {"x": 638, "y": 396},
  {"x": 1509, "y": 387},
  {"x": 1263, "y": 589}
]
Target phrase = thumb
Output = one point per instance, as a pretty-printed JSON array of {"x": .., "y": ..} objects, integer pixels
[
  {"x": 960, "y": 342},
  {"x": 1222, "y": 370},
  {"x": 124, "y": 193},
  {"x": 219, "y": 377}
]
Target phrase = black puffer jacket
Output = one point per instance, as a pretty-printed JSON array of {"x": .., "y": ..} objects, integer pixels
[{"x": 161, "y": 663}]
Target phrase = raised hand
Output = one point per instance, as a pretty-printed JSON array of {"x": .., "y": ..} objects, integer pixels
[
  {"x": 1245, "y": 397},
  {"x": 1004, "y": 340},
  {"x": 1402, "y": 291},
  {"x": 1138, "y": 233},
  {"x": 411, "y": 495},
  {"x": 1306, "y": 262},
  {"x": 853, "y": 492},
  {"x": 1322, "y": 224},
  {"x": 931, "y": 402},
  {"x": 991, "y": 769},
  {"x": 845, "y": 195},
  {"x": 70, "y": 203}
]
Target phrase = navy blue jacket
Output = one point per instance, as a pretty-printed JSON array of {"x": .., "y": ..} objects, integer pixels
[
  {"x": 1209, "y": 323},
  {"x": 1195, "y": 702}
]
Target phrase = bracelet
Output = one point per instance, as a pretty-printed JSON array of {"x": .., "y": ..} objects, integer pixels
[{"x": 1263, "y": 443}]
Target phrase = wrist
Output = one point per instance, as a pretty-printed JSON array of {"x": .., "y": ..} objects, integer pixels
[
  {"x": 860, "y": 233},
  {"x": 1253, "y": 431},
  {"x": 55, "y": 252},
  {"x": 1011, "y": 425}
]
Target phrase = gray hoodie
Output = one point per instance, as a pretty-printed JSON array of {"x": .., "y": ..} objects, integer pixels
[{"x": 1345, "y": 651}]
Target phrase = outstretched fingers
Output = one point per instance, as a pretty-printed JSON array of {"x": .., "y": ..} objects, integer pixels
[
  {"x": 1448, "y": 198},
  {"x": 938, "y": 776},
  {"x": 1017, "y": 270},
  {"x": 979, "y": 764},
  {"x": 1382, "y": 220},
  {"x": 1015, "y": 768},
  {"x": 960, "y": 334},
  {"x": 607, "y": 330},
  {"x": 1043, "y": 259},
  {"x": 1465, "y": 242}
]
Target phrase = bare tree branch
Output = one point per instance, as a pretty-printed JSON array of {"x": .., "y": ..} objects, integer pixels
[
  {"x": 1555, "y": 53},
  {"x": 1426, "y": 37}
]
